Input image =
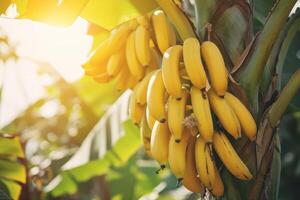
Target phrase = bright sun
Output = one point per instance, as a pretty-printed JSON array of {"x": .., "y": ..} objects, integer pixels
[{"x": 63, "y": 48}]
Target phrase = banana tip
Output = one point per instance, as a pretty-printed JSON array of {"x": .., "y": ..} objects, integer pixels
[{"x": 177, "y": 140}]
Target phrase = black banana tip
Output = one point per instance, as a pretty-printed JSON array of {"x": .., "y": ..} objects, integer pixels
[
  {"x": 179, "y": 182},
  {"x": 177, "y": 140},
  {"x": 163, "y": 120}
]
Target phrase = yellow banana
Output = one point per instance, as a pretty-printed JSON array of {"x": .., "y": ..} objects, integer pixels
[
  {"x": 204, "y": 163},
  {"x": 170, "y": 70},
  {"x": 159, "y": 145},
  {"x": 122, "y": 79},
  {"x": 136, "y": 110},
  {"x": 150, "y": 119},
  {"x": 244, "y": 116},
  {"x": 218, "y": 188},
  {"x": 177, "y": 155},
  {"x": 172, "y": 35},
  {"x": 146, "y": 143},
  {"x": 193, "y": 63},
  {"x": 161, "y": 30},
  {"x": 142, "y": 45},
  {"x": 118, "y": 37},
  {"x": 202, "y": 113},
  {"x": 132, "y": 82},
  {"x": 102, "y": 78},
  {"x": 135, "y": 67},
  {"x": 229, "y": 157},
  {"x": 143, "y": 20},
  {"x": 141, "y": 92},
  {"x": 215, "y": 66},
  {"x": 144, "y": 128},
  {"x": 190, "y": 179},
  {"x": 94, "y": 70},
  {"x": 176, "y": 114},
  {"x": 225, "y": 114},
  {"x": 115, "y": 63},
  {"x": 154, "y": 62},
  {"x": 156, "y": 97},
  {"x": 100, "y": 54}
]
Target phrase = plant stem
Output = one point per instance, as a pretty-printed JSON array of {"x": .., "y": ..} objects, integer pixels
[
  {"x": 251, "y": 76},
  {"x": 289, "y": 91},
  {"x": 178, "y": 18}
]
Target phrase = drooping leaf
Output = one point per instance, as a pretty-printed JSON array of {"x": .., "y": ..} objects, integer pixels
[
  {"x": 12, "y": 170},
  {"x": 9, "y": 189},
  {"x": 11, "y": 146}
]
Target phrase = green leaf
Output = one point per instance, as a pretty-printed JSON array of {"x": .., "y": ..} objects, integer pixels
[
  {"x": 11, "y": 189},
  {"x": 12, "y": 170},
  {"x": 112, "y": 142},
  {"x": 11, "y": 146},
  {"x": 109, "y": 14},
  {"x": 262, "y": 9}
]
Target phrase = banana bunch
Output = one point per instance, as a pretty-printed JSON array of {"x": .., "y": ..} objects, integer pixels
[
  {"x": 131, "y": 52},
  {"x": 192, "y": 83}
]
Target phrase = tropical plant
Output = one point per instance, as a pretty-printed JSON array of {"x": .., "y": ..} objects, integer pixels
[{"x": 142, "y": 45}]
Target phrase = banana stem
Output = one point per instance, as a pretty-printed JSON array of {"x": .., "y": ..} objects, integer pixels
[
  {"x": 178, "y": 18},
  {"x": 252, "y": 75},
  {"x": 277, "y": 109}
]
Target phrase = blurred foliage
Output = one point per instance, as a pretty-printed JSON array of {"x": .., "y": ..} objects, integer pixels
[{"x": 12, "y": 167}]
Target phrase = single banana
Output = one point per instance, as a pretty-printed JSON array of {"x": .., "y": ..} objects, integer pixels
[
  {"x": 161, "y": 30},
  {"x": 118, "y": 37},
  {"x": 115, "y": 63},
  {"x": 170, "y": 70},
  {"x": 225, "y": 114},
  {"x": 141, "y": 92},
  {"x": 142, "y": 45},
  {"x": 218, "y": 188},
  {"x": 176, "y": 114},
  {"x": 136, "y": 110},
  {"x": 172, "y": 35},
  {"x": 193, "y": 63},
  {"x": 144, "y": 128},
  {"x": 204, "y": 163},
  {"x": 146, "y": 143},
  {"x": 156, "y": 97},
  {"x": 150, "y": 119},
  {"x": 244, "y": 116},
  {"x": 132, "y": 82},
  {"x": 135, "y": 67},
  {"x": 159, "y": 145},
  {"x": 122, "y": 79},
  {"x": 229, "y": 157},
  {"x": 154, "y": 62},
  {"x": 216, "y": 67},
  {"x": 190, "y": 179},
  {"x": 102, "y": 78},
  {"x": 94, "y": 70},
  {"x": 177, "y": 155},
  {"x": 100, "y": 54},
  {"x": 202, "y": 113}
]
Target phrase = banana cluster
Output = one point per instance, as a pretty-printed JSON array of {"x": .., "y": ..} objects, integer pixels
[
  {"x": 184, "y": 91},
  {"x": 131, "y": 51}
]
